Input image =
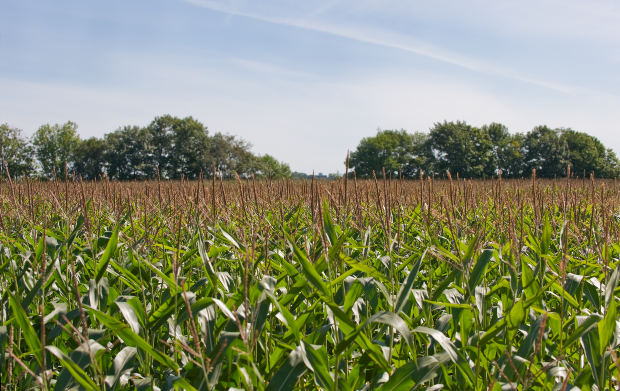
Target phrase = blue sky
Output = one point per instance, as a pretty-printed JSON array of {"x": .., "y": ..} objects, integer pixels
[{"x": 305, "y": 80}]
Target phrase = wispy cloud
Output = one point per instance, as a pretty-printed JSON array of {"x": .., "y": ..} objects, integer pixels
[
  {"x": 269, "y": 69},
  {"x": 385, "y": 38}
]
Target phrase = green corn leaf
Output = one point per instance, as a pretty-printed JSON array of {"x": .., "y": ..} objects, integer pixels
[
  {"x": 562, "y": 292},
  {"x": 315, "y": 358},
  {"x": 102, "y": 265},
  {"x": 81, "y": 357},
  {"x": 354, "y": 292},
  {"x": 289, "y": 319},
  {"x": 98, "y": 293},
  {"x": 38, "y": 251},
  {"x": 479, "y": 269},
  {"x": 229, "y": 238},
  {"x": 128, "y": 277},
  {"x": 607, "y": 327},
  {"x": 512, "y": 320},
  {"x": 442, "y": 340},
  {"x": 469, "y": 252},
  {"x": 174, "y": 287},
  {"x": 4, "y": 336},
  {"x": 130, "y": 315},
  {"x": 354, "y": 335},
  {"x": 395, "y": 321},
  {"x": 591, "y": 347},
  {"x": 415, "y": 373},
  {"x": 530, "y": 284},
  {"x": 76, "y": 229},
  {"x": 124, "y": 332},
  {"x": 330, "y": 227},
  {"x": 182, "y": 384},
  {"x": 363, "y": 267},
  {"x": 611, "y": 287},
  {"x": 122, "y": 364},
  {"x": 30, "y": 335},
  {"x": 161, "y": 314},
  {"x": 448, "y": 305},
  {"x": 405, "y": 289},
  {"x": 78, "y": 373},
  {"x": 225, "y": 310},
  {"x": 287, "y": 375},
  {"x": 545, "y": 238},
  {"x": 585, "y": 324},
  {"x": 308, "y": 269}
]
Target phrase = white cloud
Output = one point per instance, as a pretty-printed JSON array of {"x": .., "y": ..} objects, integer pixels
[
  {"x": 311, "y": 120},
  {"x": 264, "y": 68},
  {"x": 307, "y": 123},
  {"x": 598, "y": 19},
  {"x": 385, "y": 38}
]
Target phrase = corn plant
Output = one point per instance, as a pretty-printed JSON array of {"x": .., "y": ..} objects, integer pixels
[{"x": 335, "y": 285}]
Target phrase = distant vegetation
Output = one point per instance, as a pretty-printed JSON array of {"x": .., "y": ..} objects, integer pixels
[
  {"x": 176, "y": 146},
  {"x": 473, "y": 152}
]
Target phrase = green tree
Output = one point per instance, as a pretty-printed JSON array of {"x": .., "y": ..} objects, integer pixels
[
  {"x": 179, "y": 146},
  {"x": 15, "y": 152},
  {"x": 545, "y": 151},
  {"x": 89, "y": 158},
  {"x": 421, "y": 158},
  {"x": 128, "y": 154},
  {"x": 54, "y": 146},
  {"x": 587, "y": 154},
  {"x": 189, "y": 143},
  {"x": 160, "y": 134},
  {"x": 611, "y": 165},
  {"x": 506, "y": 154},
  {"x": 462, "y": 149},
  {"x": 269, "y": 167},
  {"x": 511, "y": 161},
  {"x": 231, "y": 155},
  {"x": 394, "y": 150}
]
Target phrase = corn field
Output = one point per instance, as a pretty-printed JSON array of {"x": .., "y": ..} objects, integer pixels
[{"x": 336, "y": 285}]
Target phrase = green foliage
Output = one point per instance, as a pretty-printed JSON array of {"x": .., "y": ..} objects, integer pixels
[
  {"x": 587, "y": 154},
  {"x": 507, "y": 154},
  {"x": 173, "y": 148},
  {"x": 546, "y": 152},
  {"x": 483, "y": 152},
  {"x": 89, "y": 158},
  {"x": 55, "y": 146},
  {"x": 127, "y": 154},
  {"x": 15, "y": 152},
  {"x": 269, "y": 167},
  {"x": 297, "y": 292},
  {"x": 178, "y": 146},
  {"x": 168, "y": 148},
  {"x": 396, "y": 151},
  {"x": 462, "y": 149},
  {"x": 231, "y": 155}
]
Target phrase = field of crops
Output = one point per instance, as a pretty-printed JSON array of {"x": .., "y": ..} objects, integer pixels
[{"x": 334, "y": 285}]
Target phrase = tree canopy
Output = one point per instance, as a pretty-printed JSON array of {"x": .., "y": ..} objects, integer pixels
[
  {"x": 169, "y": 146},
  {"x": 15, "y": 152},
  {"x": 472, "y": 152},
  {"x": 394, "y": 151},
  {"x": 55, "y": 146}
]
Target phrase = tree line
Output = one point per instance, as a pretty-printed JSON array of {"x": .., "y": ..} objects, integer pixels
[
  {"x": 171, "y": 148},
  {"x": 478, "y": 152},
  {"x": 168, "y": 148}
]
